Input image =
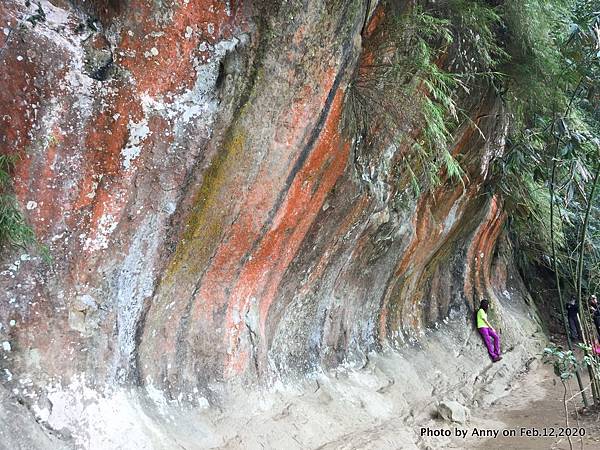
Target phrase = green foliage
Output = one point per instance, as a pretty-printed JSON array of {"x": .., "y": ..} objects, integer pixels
[
  {"x": 565, "y": 363},
  {"x": 405, "y": 88},
  {"x": 528, "y": 201},
  {"x": 538, "y": 75},
  {"x": 438, "y": 112},
  {"x": 475, "y": 25},
  {"x": 551, "y": 89},
  {"x": 14, "y": 231},
  {"x": 588, "y": 355}
]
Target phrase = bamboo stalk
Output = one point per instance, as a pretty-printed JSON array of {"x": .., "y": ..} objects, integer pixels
[
  {"x": 555, "y": 269},
  {"x": 579, "y": 283}
]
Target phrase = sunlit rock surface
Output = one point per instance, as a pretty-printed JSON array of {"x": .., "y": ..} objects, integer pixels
[{"x": 210, "y": 225}]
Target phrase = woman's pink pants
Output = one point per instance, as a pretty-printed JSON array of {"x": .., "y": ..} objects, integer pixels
[{"x": 492, "y": 341}]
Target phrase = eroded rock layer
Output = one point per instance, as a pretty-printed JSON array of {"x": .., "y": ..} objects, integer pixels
[{"x": 206, "y": 216}]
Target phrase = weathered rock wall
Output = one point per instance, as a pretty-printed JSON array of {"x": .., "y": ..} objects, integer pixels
[{"x": 206, "y": 216}]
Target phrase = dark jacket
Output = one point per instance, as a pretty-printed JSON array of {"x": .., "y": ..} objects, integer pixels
[
  {"x": 572, "y": 309},
  {"x": 596, "y": 317}
]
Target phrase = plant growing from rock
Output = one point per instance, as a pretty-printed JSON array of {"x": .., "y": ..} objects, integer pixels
[
  {"x": 14, "y": 230},
  {"x": 417, "y": 67},
  {"x": 401, "y": 96},
  {"x": 38, "y": 16}
]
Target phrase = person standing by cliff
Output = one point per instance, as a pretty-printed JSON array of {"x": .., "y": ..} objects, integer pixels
[
  {"x": 489, "y": 335},
  {"x": 572, "y": 313}
]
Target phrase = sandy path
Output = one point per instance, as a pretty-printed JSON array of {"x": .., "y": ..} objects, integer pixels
[{"x": 533, "y": 403}]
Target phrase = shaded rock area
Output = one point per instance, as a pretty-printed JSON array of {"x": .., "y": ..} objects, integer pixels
[{"x": 219, "y": 247}]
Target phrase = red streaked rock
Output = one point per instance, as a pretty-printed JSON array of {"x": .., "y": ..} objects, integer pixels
[{"x": 207, "y": 215}]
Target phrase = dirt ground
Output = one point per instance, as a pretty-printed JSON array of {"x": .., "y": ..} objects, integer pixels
[{"x": 534, "y": 403}]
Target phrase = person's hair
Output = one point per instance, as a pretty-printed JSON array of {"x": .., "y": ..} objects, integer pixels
[{"x": 484, "y": 304}]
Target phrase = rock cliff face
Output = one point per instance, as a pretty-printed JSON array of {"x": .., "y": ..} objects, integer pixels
[{"x": 208, "y": 220}]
